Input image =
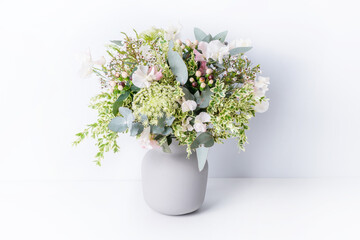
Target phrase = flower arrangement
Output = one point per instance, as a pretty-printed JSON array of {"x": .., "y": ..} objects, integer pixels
[{"x": 158, "y": 88}]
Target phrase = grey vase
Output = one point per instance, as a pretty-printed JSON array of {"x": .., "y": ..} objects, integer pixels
[{"x": 172, "y": 183}]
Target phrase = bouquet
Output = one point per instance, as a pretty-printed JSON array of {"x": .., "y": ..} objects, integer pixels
[{"x": 158, "y": 89}]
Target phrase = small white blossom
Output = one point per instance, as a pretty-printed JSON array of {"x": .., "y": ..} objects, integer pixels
[
  {"x": 145, "y": 52},
  {"x": 262, "y": 107},
  {"x": 215, "y": 50},
  {"x": 88, "y": 63},
  {"x": 172, "y": 32},
  {"x": 240, "y": 43},
  {"x": 200, "y": 119},
  {"x": 142, "y": 77},
  {"x": 261, "y": 86},
  {"x": 188, "y": 105},
  {"x": 146, "y": 141},
  {"x": 186, "y": 126}
]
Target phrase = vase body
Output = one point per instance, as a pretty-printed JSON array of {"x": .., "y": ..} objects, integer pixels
[{"x": 172, "y": 183}]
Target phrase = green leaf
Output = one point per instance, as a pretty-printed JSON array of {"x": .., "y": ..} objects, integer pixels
[
  {"x": 117, "y": 42},
  {"x": 201, "y": 154},
  {"x": 205, "y": 139},
  {"x": 207, "y": 39},
  {"x": 118, "y": 124},
  {"x": 204, "y": 98},
  {"x": 239, "y": 50},
  {"x": 136, "y": 129},
  {"x": 199, "y": 34},
  {"x": 188, "y": 95},
  {"x": 177, "y": 65},
  {"x": 119, "y": 102},
  {"x": 167, "y": 131},
  {"x": 127, "y": 114},
  {"x": 169, "y": 120},
  {"x": 166, "y": 148},
  {"x": 221, "y": 36},
  {"x": 134, "y": 89},
  {"x": 155, "y": 129}
]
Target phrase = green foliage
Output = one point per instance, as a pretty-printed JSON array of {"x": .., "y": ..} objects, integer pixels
[
  {"x": 226, "y": 93},
  {"x": 230, "y": 114},
  {"x": 204, "y": 139},
  {"x": 177, "y": 65},
  {"x": 201, "y": 154},
  {"x": 238, "y": 50},
  {"x": 156, "y": 101},
  {"x": 105, "y": 138},
  {"x": 204, "y": 98}
]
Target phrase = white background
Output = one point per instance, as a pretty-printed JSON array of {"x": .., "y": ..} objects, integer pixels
[{"x": 310, "y": 49}]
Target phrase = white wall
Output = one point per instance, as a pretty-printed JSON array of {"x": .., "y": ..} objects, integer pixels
[{"x": 310, "y": 49}]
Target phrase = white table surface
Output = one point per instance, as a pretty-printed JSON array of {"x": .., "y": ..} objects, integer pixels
[{"x": 233, "y": 209}]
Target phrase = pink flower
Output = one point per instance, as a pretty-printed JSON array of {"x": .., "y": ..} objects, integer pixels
[
  {"x": 198, "y": 56},
  {"x": 144, "y": 76},
  {"x": 203, "y": 67},
  {"x": 157, "y": 74}
]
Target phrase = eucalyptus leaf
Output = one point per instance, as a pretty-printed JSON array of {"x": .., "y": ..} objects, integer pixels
[
  {"x": 127, "y": 114},
  {"x": 188, "y": 95},
  {"x": 169, "y": 120},
  {"x": 119, "y": 102},
  {"x": 207, "y": 39},
  {"x": 201, "y": 154},
  {"x": 177, "y": 65},
  {"x": 117, "y": 42},
  {"x": 238, "y": 50},
  {"x": 167, "y": 131},
  {"x": 136, "y": 129},
  {"x": 166, "y": 148},
  {"x": 118, "y": 124},
  {"x": 155, "y": 129},
  {"x": 199, "y": 34},
  {"x": 221, "y": 36},
  {"x": 204, "y": 139},
  {"x": 204, "y": 98}
]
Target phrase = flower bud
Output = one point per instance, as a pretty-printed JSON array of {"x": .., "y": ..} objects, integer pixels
[
  {"x": 117, "y": 75},
  {"x": 120, "y": 87},
  {"x": 211, "y": 77},
  {"x": 194, "y": 84},
  {"x": 192, "y": 79},
  {"x": 196, "y": 42},
  {"x": 209, "y": 71},
  {"x": 211, "y": 82},
  {"x": 182, "y": 46},
  {"x": 198, "y": 74},
  {"x": 124, "y": 74},
  {"x": 122, "y": 84},
  {"x": 188, "y": 42},
  {"x": 112, "y": 83},
  {"x": 202, "y": 79},
  {"x": 203, "y": 85},
  {"x": 178, "y": 41}
]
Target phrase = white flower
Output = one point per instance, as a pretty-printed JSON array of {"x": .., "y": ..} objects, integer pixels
[
  {"x": 215, "y": 50},
  {"x": 262, "y": 107},
  {"x": 87, "y": 64},
  {"x": 172, "y": 32},
  {"x": 146, "y": 141},
  {"x": 142, "y": 77},
  {"x": 240, "y": 43},
  {"x": 261, "y": 86},
  {"x": 200, "y": 119},
  {"x": 186, "y": 126},
  {"x": 145, "y": 52},
  {"x": 188, "y": 105}
]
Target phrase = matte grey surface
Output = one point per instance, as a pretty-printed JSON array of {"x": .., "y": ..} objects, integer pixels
[{"x": 172, "y": 184}]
